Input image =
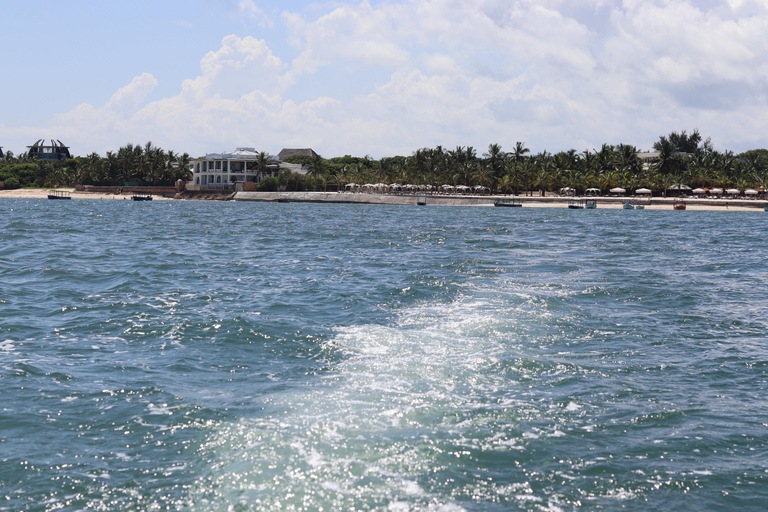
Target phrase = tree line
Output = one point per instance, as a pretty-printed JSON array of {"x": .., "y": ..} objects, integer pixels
[
  {"x": 131, "y": 163},
  {"x": 683, "y": 159}
]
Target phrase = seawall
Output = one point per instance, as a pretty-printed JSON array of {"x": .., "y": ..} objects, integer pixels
[{"x": 655, "y": 203}]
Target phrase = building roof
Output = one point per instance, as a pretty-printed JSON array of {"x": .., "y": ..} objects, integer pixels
[
  {"x": 239, "y": 154},
  {"x": 56, "y": 150},
  {"x": 285, "y": 153}
]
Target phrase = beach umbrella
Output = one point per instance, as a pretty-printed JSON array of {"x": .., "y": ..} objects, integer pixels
[
  {"x": 699, "y": 191},
  {"x": 617, "y": 190},
  {"x": 751, "y": 192},
  {"x": 716, "y": 191},
  {"x": 733, "y": 191},
  {"x": 642, "y": 191}
]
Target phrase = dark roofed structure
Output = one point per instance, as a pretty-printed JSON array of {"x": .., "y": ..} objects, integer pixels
[
  {"x": 1, "y": 153},
  {"x": 55, "y": 151},
  {"x": 285, "y": 153}
]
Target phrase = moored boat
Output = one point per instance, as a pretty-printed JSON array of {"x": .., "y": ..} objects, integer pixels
[
  {"x": 421, "y": 200},
  {"x": 576, "y": 204},
  {"x": 628, "y": 204},
  {"x": 138, "y": 197},
  {"x": 590, "y": 204},
  {"x": 508, "y": 202},
  {"x": 58, "y": 194},
  {"x": 678, "y": 204}
]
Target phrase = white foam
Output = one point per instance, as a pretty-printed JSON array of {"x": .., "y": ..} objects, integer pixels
[{"x": 402, "y": 395}]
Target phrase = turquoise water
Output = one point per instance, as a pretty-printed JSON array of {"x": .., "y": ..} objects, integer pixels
[{"x": 257, "y": 356}]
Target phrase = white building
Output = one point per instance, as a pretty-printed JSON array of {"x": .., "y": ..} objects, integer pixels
[{"x": 226, "y": 170}]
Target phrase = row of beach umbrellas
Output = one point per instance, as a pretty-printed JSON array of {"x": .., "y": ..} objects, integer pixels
[
  {"x": 729, "y": 191},
  {"x": 397, "y": 186},
  {"x": 480, "y": 188}
]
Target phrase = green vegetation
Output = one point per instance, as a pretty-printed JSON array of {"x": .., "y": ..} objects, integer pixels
[
  {"x": 683, "y": 159},
  {"x": 131, "y": 163}
]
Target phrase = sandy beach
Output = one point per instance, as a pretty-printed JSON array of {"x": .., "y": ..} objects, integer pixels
[
  {"x": 655, "y": 203},
  {"x": 40, "y": 193}
]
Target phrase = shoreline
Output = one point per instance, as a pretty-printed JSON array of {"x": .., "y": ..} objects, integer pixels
[
  {"x": 656, "y": 203},
  {"x": 40, "y": 193}
]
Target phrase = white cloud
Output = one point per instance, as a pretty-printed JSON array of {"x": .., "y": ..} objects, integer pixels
[
  {"x": 555, "y": 74},
  {"x": 127, "y": 99},
  {"x": 250, "y": 9}
]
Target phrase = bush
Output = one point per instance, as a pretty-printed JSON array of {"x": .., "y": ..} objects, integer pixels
[
  {"x": 268, "y": 184},
  {"x": 12, "y": 182}
]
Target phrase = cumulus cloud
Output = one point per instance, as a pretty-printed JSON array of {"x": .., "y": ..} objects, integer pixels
[
  {"x": 401, "y": 75},
  {"x": 127, "y": 99}
]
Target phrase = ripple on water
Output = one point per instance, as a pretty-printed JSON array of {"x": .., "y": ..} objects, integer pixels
[{"x": 201, "y": 356}]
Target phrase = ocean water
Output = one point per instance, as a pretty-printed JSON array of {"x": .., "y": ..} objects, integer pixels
[{"x": 209, "y": 356}]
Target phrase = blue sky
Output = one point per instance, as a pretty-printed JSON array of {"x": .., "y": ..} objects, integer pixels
[{"x": 382, "y": 77}]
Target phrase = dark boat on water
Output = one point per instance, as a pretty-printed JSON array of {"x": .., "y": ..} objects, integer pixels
[
  {"x": 576, "y": 204},
  {"x": 508, "y": 202},
  {"x": 137, "y": 197},
  {"x": 58, "y": 194}
]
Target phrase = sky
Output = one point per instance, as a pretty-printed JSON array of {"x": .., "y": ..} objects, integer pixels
[{"x": 381, "y": 78}]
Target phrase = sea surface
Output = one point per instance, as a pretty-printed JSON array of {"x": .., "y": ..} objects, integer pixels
[{"x": 218, "y": 356}]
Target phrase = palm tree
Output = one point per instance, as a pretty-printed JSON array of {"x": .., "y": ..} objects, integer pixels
[
  {"x": 667, "y": 157},
  {"x": 181, "y": 171},
  {"x": 496, "y": 162},
  {"x": 507, "y": 183},
  {"x": 262, "y": 162},
  {"x": 518, "y": 154},
  {"x": 315, "y": 168}
]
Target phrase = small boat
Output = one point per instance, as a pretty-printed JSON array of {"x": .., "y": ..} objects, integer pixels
[
  {"x": 678, "y": 204},
  {"x": 590, "y": 204},
  {"x": 508, "y": 202},
  {"x": 576, "y": 204},
  {"x": 137, "y": 197},
  {"x": 421, "y": 201},
  {"x": 283, "y": 200},
  {"x": 58, "y": 194},
  {"x": 639, "y": 207},
  {"x": 628, "y": 204}
]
